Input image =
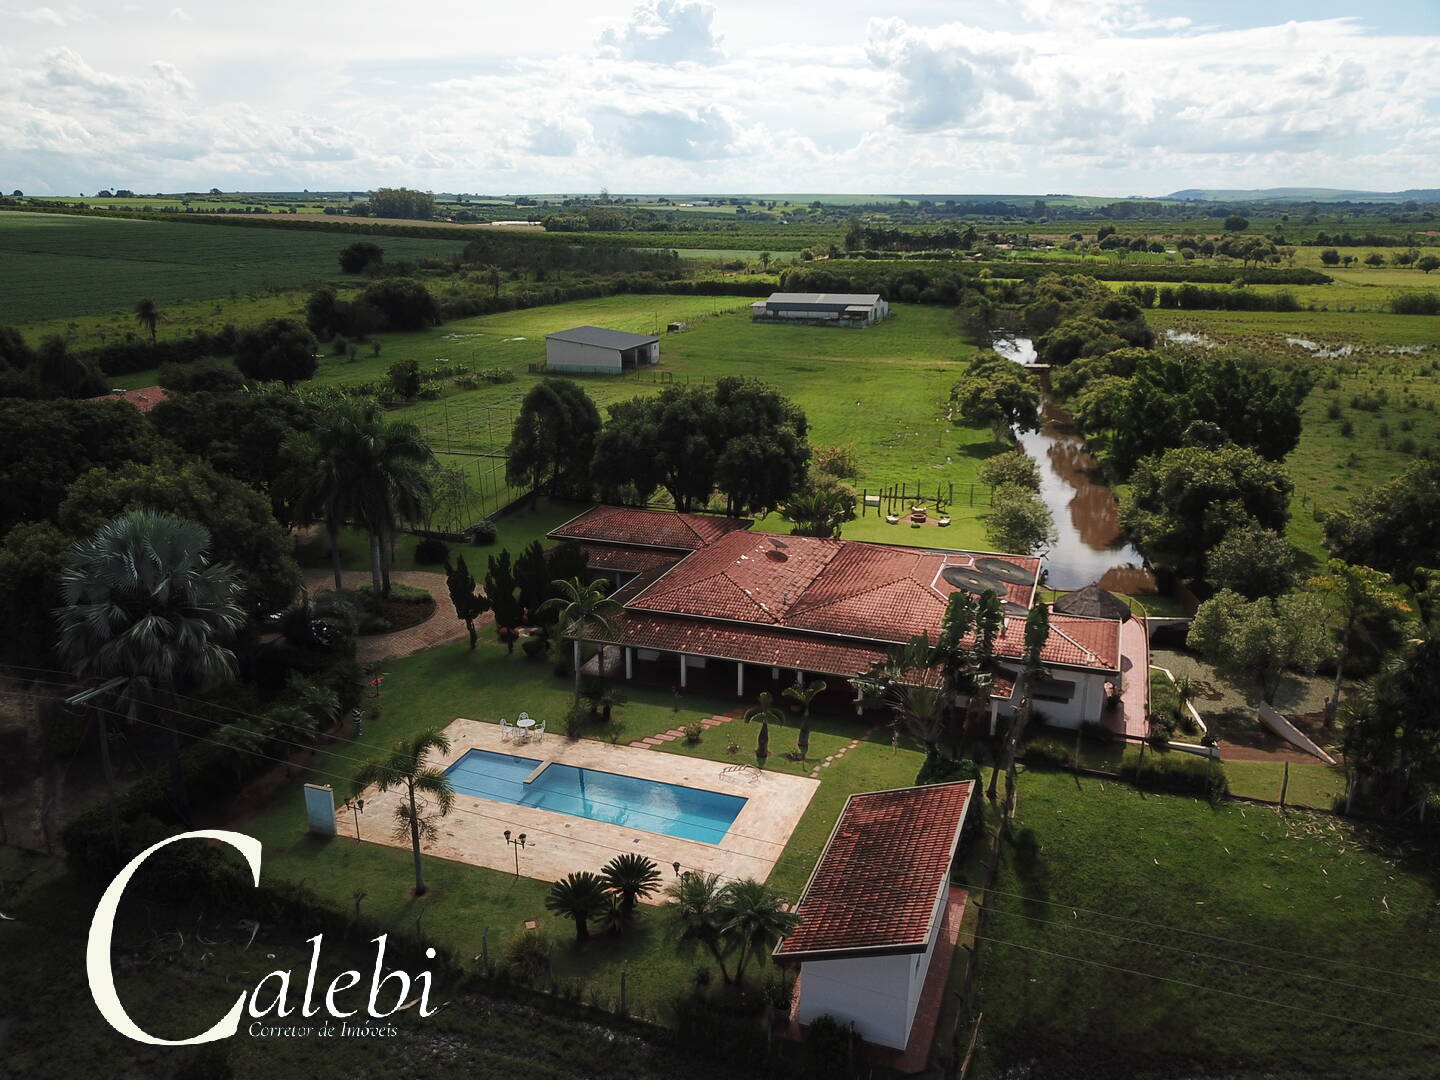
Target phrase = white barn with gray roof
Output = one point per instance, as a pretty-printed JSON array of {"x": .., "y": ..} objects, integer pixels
[
  {"x": 824, "y": 309},
  {"x": 594, "y": 350}
]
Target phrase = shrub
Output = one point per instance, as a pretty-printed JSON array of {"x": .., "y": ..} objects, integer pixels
[
  {"x": 1416, "y": 303},
  {"x": 1046, "y": 751},
  {"x": 212, "y": 376},
  {"x": 836, "y": 460},
  {"x": 1175, "y": 772},
  {"x": 431, "y": 551},
  {"x": 693, "y": 731},
  {"x": 527, "y": 956},
  {"x": 483, "y": 533},
  {"x": 535, "y": 647},
  {"x": 833, "y": 1048},
  {"x": 576, "y": 719}
]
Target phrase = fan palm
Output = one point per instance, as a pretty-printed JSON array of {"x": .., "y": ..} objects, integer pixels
[
  {"x": 580, "y": 896},
  {"x": 582, "y": 608},
  {"x": 764, "y": 713},
  {"x": 631, "y": 876},
  {"x": 405, "y": 768},
  {"x": 804, "y": 694},
  {"x": 147, "y": 314},
  {"x": 146, "y": 616},
  {"x": 698, "y": 899},
  {"x": 752, "y": 916}
]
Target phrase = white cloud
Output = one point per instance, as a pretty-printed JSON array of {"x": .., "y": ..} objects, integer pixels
[
  {"x": 666, "y": 32},
  {"x": 180, "y": 15}
]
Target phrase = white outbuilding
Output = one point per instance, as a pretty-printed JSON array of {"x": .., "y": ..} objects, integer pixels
[
  {"x": 595, "y": 350},
  {"x": 878, "y": 917}
]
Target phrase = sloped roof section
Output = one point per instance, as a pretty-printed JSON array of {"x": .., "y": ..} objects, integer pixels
[
  {"x": 878, "y": 884},
  {"x": 627, "y": 559},
  {"x": 1093, "y": 602},
  {"x": 648, "y": 528},
  {"x": 605, "y": 339}
]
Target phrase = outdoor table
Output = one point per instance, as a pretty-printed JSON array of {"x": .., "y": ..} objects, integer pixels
[{"x": 523, "y": 726}]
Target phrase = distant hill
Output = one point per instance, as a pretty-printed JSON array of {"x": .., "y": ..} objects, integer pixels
[{"x": 1299, "y": 194}]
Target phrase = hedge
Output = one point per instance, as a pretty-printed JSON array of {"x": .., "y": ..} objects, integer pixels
[{"x": 1175, "y": 772}]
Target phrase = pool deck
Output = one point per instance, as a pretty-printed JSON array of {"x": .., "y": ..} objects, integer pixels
[{"x": 556, "y": 844}]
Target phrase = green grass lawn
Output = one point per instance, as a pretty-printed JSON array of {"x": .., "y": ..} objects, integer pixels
[
  {"x": 1348, "y": 931},
  {"x": 1316, "y": 786},
  {"x": 467, "y": 903},
  {"x": 56, "y": 266},
  {"x": 1262, "y": 327}
]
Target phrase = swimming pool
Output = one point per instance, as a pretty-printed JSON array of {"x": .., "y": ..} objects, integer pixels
[{"x": 670, "y": 809}]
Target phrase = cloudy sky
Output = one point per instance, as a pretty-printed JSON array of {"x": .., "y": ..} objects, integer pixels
[{"x": 1023, "y": 96}]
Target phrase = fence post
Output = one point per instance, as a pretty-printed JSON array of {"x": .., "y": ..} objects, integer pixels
[
  {"x": 624, "y": 978},
  {"x": 1285, "y": 785}
]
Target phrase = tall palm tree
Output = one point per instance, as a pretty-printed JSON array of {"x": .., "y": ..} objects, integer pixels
[
  {"x": 146, "y": 616},
  {"x": 751, "y": 916},
  {"x": 764, "y": 713},
  {"x": 631, "y": 876},
  {"x": 697, "y": 897},
  {"x": 1037, "y": 633},
  {"x": 405, "y": 768},
  {"x": 582, "y": 608},
  {"x": 580, "y": 896},
  {"x": 804, "y": 694},
  {"x": 147, "y": 314},
  {"x": 359, "y": 468}
]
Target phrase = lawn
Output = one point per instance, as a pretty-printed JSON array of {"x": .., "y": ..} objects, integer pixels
[
  {"x": 1141, "y": 935},
  {"x": 1316, "y": 786},
  {"x": 60, "y": 266},
  {"x": 469, "y": 905}
]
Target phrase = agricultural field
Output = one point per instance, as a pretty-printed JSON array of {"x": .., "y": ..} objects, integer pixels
[
  {"x": 1141, "y": 935},
  {"x": 55, "y": 266}
]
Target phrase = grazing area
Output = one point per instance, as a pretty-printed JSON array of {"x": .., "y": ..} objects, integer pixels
[{"x": 1260, "y": 943}]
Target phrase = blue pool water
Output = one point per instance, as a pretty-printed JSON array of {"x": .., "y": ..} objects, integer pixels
[{"x": 671, "y": 809}]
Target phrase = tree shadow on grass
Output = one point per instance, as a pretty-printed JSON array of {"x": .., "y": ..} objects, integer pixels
[{"x": 1030, "y": 869}]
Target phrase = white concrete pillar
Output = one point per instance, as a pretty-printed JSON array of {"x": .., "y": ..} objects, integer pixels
[
  {"x": 739, "y": 678},
  {"x": 799, "y": 677},
  {"x": 994, "y": 714},
  {"x": 775, "y": 673},
  {"x": 682, "y": 671},
  {"x": 629, "y": 662}
]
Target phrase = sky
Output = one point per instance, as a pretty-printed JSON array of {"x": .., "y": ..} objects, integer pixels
[{"x": 1107, "y": 97}]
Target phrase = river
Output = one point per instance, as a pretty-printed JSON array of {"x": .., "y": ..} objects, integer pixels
[{"x": 1091, "y": 545}]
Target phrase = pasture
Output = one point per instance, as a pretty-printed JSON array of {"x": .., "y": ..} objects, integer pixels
[
  {"x": 55, "y": 266},
  {"x": 1143, "y": 935}
]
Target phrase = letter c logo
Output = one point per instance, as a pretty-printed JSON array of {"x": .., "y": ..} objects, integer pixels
[{"x": 102, "y": 928}]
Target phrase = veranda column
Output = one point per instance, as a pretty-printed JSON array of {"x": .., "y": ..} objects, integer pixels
[
  {"x": 994, "y": 714},
  {"x": 682, "y": 671},
  {"x": 629, "y": 662},
  {"x": 739, "y": 678}
]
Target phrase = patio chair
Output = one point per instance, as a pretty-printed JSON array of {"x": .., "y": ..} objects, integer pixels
[
  {"x": 892, "y": 519},
  {"x": 507, "y": 730},
  {"x": 538, "y": 731}
]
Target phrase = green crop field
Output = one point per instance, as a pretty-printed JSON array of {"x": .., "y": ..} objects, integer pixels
[{"x": 59, "y": 266}]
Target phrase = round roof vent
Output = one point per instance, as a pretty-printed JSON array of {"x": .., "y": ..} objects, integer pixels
[
  {"x": 1005, "y": 570},
  {"x": 776, "y": 555},
  {"x": 972, "y": 582}
]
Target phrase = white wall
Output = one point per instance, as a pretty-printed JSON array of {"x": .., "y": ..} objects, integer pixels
[
  {"x": 1086, "y": 704},
  {"x": 572, "y": 356},
  {"x": 873, "y": 992}
]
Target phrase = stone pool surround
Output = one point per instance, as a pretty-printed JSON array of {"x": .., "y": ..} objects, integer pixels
[{"x": 556, "y": 844}]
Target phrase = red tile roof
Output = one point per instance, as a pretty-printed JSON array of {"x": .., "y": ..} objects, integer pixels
[
  {"x": 871, "y": 591},
  {"x": 648, "y": 528},
  {"x": 144, "y": 399},
  {"x": 878, "y": 884},
  {"x": 628, "y": 559}
]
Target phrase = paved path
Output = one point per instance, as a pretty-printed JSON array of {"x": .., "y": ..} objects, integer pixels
[{"x": 440, "y": 628}]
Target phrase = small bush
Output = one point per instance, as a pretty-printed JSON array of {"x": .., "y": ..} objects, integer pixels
[
  {"x": 527, "y": 956},
  {"x": 535, "y": 648},
  {"x": 576, "y": 720},
  {"x": 483, "y": 533},
  {"x": 1175, "y": 772},
  {"x": 1045, "y": 751},
  {"x": 431, "y": 552},
  {"x": 693, "y": 731}
]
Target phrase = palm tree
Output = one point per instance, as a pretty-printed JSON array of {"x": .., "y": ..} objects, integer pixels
[
  {"x": 698, "y": 900},
  {"x": 405, "y": 768},
  {"x": 147, "y": 314},
  {"x": 357, "y": 467},
  {"x": 631, "y": 876},
  {"x": 146, "y": 616},
  {"x": 751, "y": 916},
  {"x": 1184, "y": 695},
  {"x": 1037, "y": 633},
  {"x": 805, "y": 693},
  {"x": 763, "y": 713},
  {"x": 580, "y": 896},
  {"x": 582, "y": 607}
]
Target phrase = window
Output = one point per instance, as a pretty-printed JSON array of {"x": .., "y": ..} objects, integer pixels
[{"x": 1052, "y": 690}]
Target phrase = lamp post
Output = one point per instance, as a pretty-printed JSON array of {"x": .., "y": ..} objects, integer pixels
[
  {"x": 517, "y": 843},
  {"x": 356, "y": 807}
]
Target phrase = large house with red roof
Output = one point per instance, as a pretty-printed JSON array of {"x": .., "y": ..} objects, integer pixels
[{"x": 705, "y": 598}]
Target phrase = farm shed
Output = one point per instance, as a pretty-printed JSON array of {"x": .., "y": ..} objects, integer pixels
[
  {"x": 596, "y": 350},
  {"x": 826, "y": 309},
  {"x": 879, "y": 913}
]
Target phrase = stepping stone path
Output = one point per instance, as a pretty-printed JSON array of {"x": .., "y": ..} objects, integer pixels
[
  {"x": 679, "y": 733},
  {"x": 815, "y": 772}
]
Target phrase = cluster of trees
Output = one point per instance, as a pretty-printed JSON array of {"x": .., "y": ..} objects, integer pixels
[
  {"x": 1196, "y": 298},
  {"x": 394, "y": 303},
  {"x": 400, "y": 203},
  {"x": 737, "y": 437},
  {"x": 872, "y": 237},
  {"x": 521, "y": 255},
  {"x": 51, "y": 371},
  {"x": 1074, "y": 315}
]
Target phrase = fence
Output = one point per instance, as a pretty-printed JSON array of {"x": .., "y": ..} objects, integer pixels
[{"x": 898, "y": 498}]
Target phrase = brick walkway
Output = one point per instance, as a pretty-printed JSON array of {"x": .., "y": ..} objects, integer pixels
[
  {"x": 679, "y": 732},
  {"x": 441, "y": 628}
]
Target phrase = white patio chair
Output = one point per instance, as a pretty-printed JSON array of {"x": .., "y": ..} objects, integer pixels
[
  {"x": 507, "y": 730},
  {"x": 538, "y": 731}
]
